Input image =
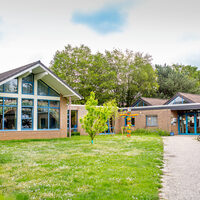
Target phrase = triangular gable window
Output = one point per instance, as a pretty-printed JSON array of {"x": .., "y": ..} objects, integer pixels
[
  {"x": 140, "y": 103},
  {"x": 178, "y": 100},
  {"x": 45, "y": 90}
]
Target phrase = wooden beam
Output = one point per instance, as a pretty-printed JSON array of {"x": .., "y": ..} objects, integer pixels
[
  {"x": 40, "y": 75},
  {"x": 69, "y": 95}
]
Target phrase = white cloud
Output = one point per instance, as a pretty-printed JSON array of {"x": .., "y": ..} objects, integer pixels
[{"x": 33, "y": 30}]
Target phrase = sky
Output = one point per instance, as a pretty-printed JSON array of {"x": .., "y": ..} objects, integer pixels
[{"x": 168, "y": 30}]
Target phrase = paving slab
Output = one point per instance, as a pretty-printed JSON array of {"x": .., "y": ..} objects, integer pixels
[{"x": 181, "y": 172}]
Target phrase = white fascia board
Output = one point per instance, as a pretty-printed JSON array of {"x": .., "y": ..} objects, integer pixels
[
  {"x": 48, "y": 71},
  {"x": 19, "y": 74},
  {"x": 74, "y": 94}
]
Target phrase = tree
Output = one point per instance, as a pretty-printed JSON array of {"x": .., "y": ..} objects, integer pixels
[
  {"x": 94, "y": 121},
  {"x": 172, "y": 80},
  {"x": 134, "y": 75},
  {"x": 113, "y": 75},
  {"x": 84, "y": 71}
]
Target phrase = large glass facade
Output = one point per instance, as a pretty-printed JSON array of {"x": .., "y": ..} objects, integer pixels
[
  {"x": 8, "y": 113},
  {"x": 48, "y": 114},
  {"x": 10, "y": 87},
  {"x": 189, "y": 123},
  {"x": 45, "y": 90},
  {"x": 28, "y": 84}
]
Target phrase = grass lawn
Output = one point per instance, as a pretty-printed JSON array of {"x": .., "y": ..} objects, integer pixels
[{"x": 112, "y": 168}]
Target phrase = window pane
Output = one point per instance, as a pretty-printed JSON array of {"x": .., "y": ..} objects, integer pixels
[
  {"x": 42, "y": 89},
  {"x": 10, "y": 118},
  {"x": 1, "y": 101},
  {"x": 140, "y": 103},
  {"x": 152, "y": 120},
  {"x": 27, "y": 88},
  {"x": 27, "y": 124},
  {"x": 28, "y": 78},
  {"x": 1, "y": 88},
  {"x": 42, "y": 118},
  {"x": 53, "y": 93},
  {"x": 27, "y": 102},
  {"x": 54, "y": 118},
  {"x": 26, "y": 113},
  {"x": 54, "y": 103},
  {"x": 43, "y": 103},
  {"x": 148, "y": 121},
  {"x": 74, "y": 118},
  {"x": 1, "y": 117},
  {"x": 10, "y": 101},
  {"x": 11, "y": 86}
]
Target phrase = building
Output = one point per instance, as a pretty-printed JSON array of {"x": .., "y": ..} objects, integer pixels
[
  {"x": 33, "y": 103},
  {"x": 180, "y": 114}
]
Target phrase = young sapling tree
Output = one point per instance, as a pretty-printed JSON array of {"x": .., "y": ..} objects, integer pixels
[{"x": 94, "y": 121}]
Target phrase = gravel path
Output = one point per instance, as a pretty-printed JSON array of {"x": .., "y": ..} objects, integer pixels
[{"x": 181, "y": 180}]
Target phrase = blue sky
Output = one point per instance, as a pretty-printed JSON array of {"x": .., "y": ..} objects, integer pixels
[
  {"x": 107, "y": 19},
  {"x": 35, "y": 29}
]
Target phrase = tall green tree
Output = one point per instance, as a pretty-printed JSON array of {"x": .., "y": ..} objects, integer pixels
[
  {"x": 172, "y": 79},
  {"x": 84, "y": 71},
  {"x": 134, "y": 75},
  {"x": 113, "y": 75}
]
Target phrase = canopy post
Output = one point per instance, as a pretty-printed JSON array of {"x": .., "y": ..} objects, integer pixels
[{"x": 70, "y": 130}]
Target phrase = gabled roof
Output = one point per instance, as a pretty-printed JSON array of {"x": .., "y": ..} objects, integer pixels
[
  {"x": 151, "y": 101},
  {"x": 51, "y": 79},
  {"x": 190, "y": 98}
]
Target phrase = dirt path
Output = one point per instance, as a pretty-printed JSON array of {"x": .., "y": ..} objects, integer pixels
[{"x": 181, "y": 180}]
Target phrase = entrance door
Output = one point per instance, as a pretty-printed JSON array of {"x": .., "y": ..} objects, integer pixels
[
  {"x": 182, "y": 124},
  {"x": 187, "y": 123},
  {"x": 190, "y": 123}
]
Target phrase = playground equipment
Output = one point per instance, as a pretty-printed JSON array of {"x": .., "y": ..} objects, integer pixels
[{"x": 128, "y": 116}]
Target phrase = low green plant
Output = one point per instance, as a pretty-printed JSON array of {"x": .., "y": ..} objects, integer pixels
[
  {"x": 75, "y": 134},
  {"x": 158, "y": 132}
]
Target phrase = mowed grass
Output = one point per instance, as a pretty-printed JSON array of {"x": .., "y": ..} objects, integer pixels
[{"x": 112, "y": 168}]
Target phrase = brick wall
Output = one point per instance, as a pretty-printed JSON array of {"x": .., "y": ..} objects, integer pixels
[
  {"x": 164, "y": 120},
  {"x": 165, "y": 117}
]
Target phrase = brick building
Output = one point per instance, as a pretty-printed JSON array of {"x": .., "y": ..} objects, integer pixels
[
  {"x": 35, "y": 103},
  {"x": 180, "y": 114}
]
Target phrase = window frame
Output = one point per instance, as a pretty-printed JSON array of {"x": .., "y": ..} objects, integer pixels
[
  {"x": 48, "y": 107},
  {"x": 23, "y": 81},
  {"x": 14, "y": 106},
  {"x": 48, "y": 87},
  {"x": 3, "y": 85},
  {"x": 76, "y": 128},
  {"x": 32, "y": 114},
  {"x": 147, "y": 116},
  {"x": 174, "y": 101}
]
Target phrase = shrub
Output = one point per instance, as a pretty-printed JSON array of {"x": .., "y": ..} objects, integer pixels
[
  {"x": 74, "y": 134},
  {"x": 150, "y": 132}
]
